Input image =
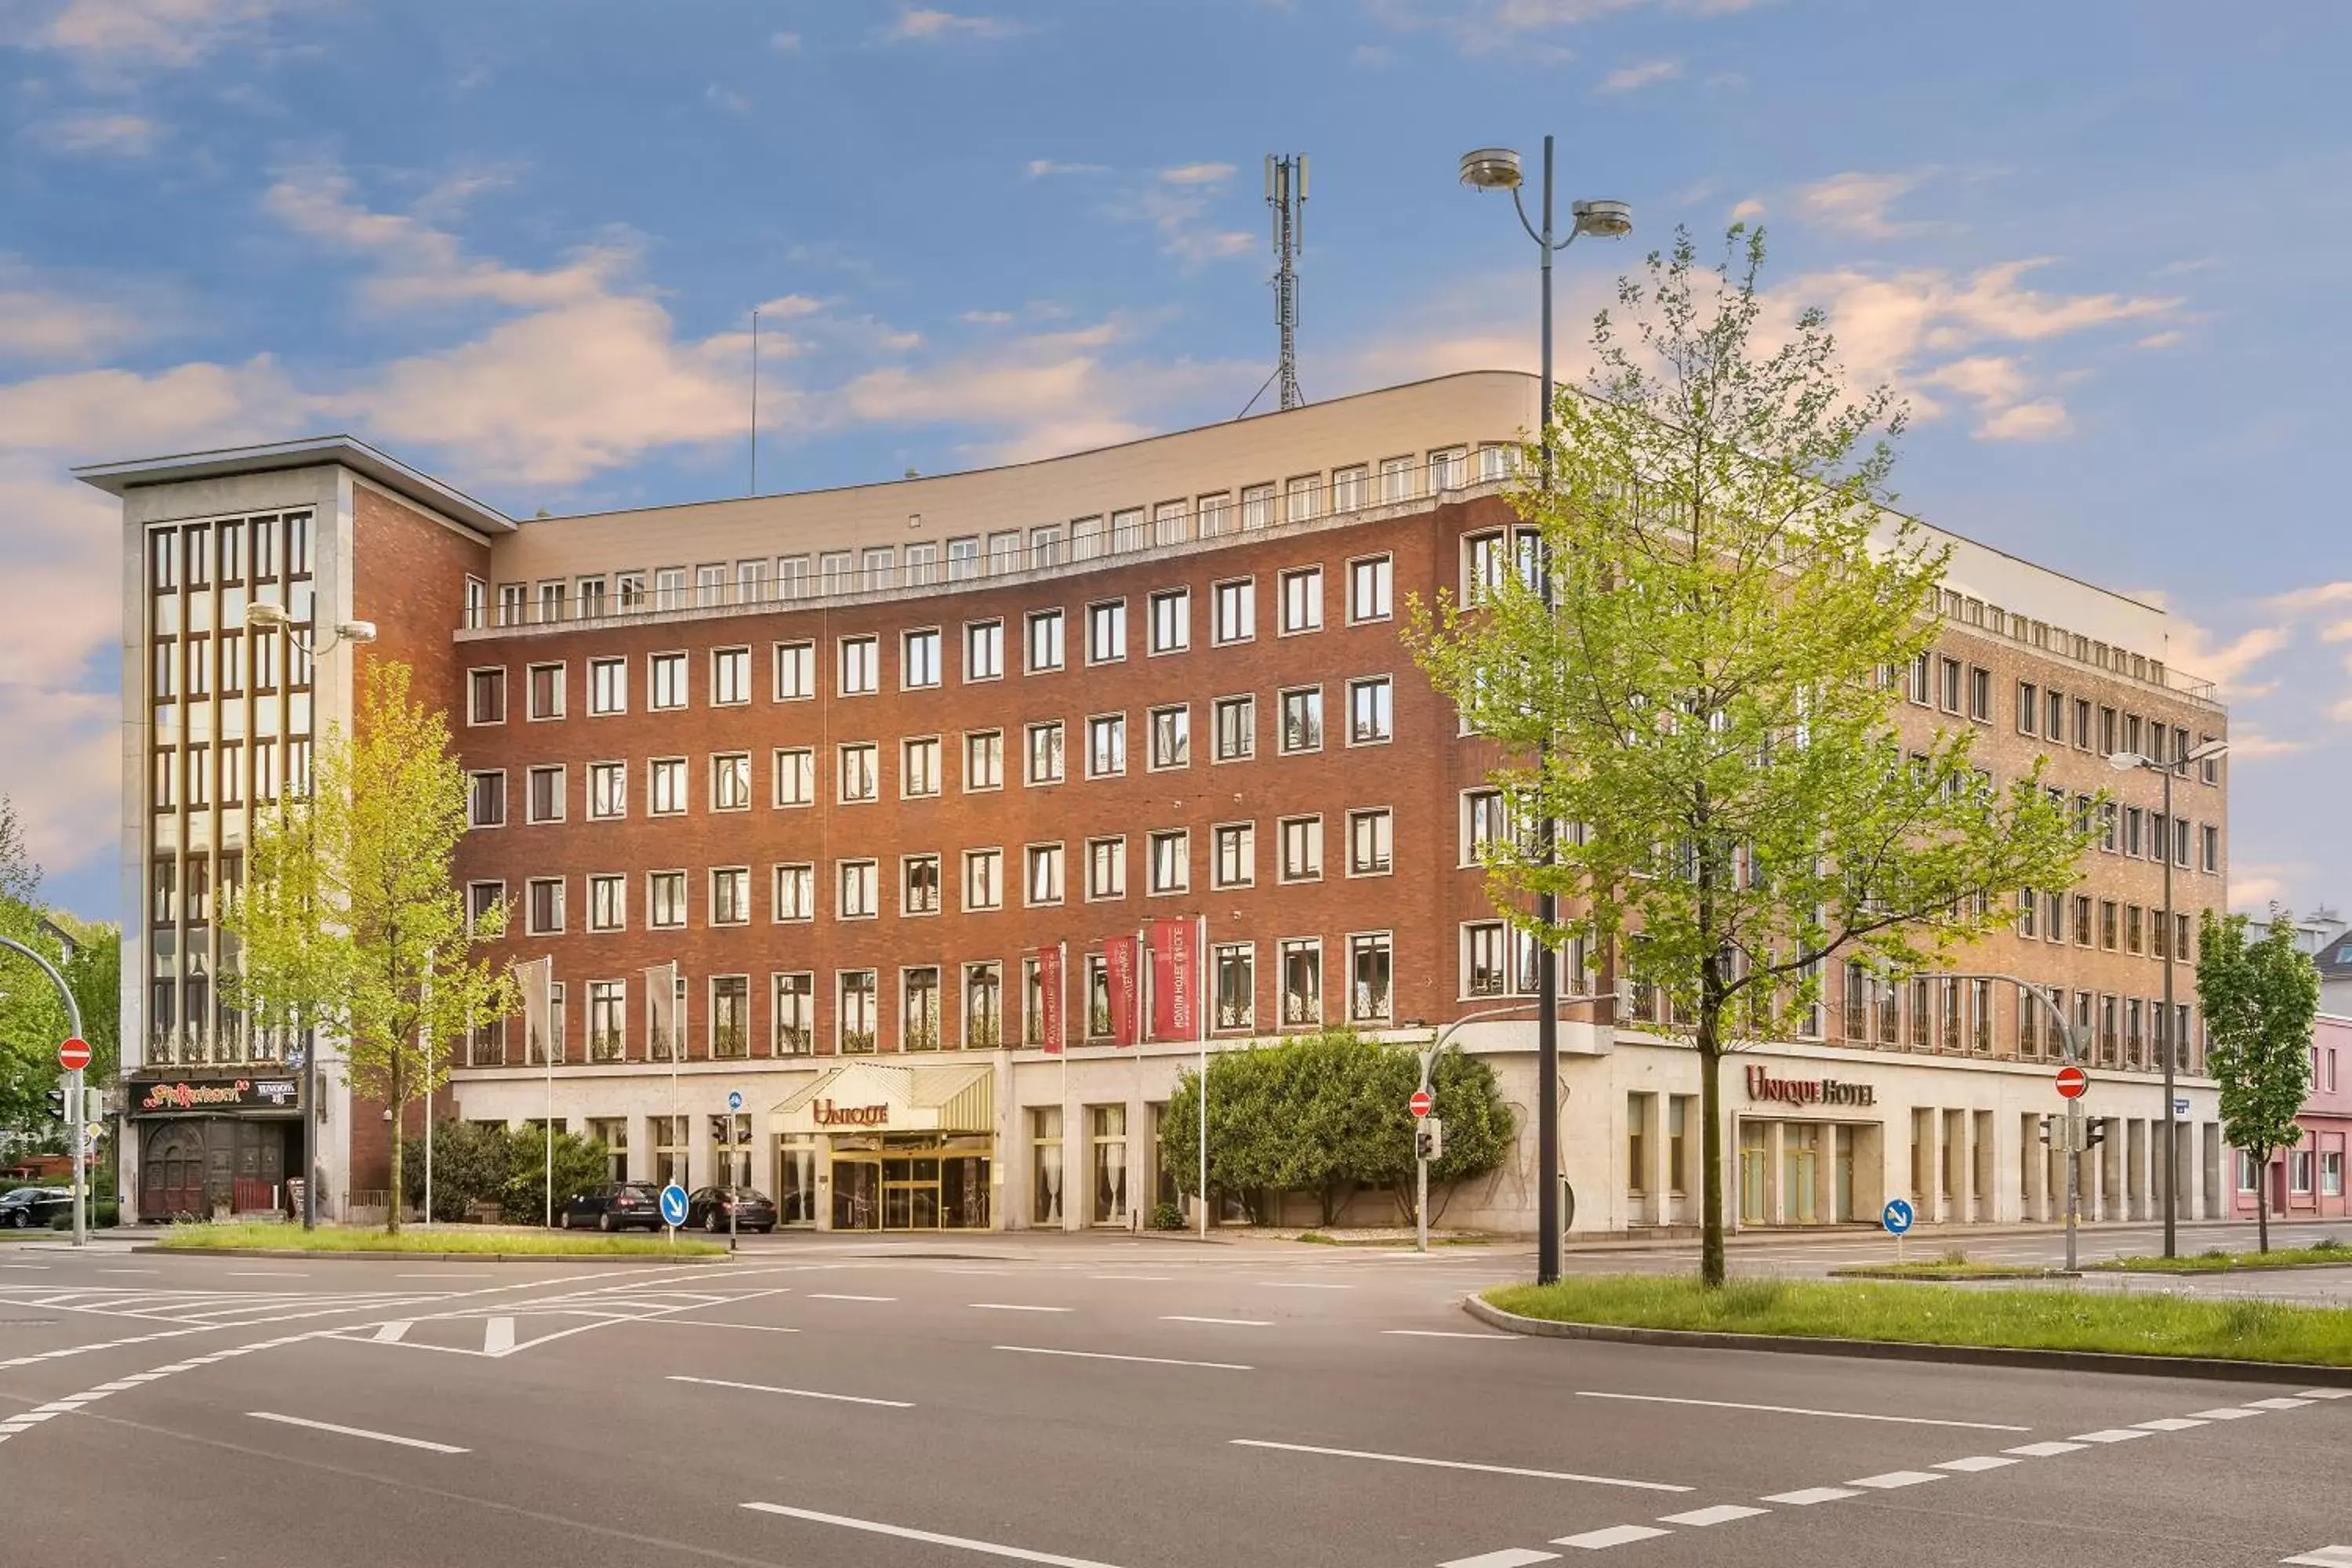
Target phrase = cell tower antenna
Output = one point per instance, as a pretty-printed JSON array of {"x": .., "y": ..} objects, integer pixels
[{"x": 1285, "y": 196}]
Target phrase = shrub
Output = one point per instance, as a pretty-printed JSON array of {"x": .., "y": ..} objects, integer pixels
[
  {"x": 1166, "y": 1216},
  {"x": 487, "y": 1162},
  {"x": 104, "y": 1213}
]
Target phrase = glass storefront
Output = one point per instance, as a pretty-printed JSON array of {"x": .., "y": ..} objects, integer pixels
[{"x": 911, "y": 1181}]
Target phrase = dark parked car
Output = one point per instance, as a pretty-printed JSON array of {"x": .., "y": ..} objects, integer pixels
[
  {"x": 32, "y": 1208},
  {"x": 616, "y": 1205},
  {"x": 710, "y": 1206}
]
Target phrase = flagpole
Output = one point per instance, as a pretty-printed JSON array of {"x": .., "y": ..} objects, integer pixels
[
  {"x": 1201, "y": 1021},
  {"x": 548, "y": 1051},
  {"x": 425, "y": 1034}
]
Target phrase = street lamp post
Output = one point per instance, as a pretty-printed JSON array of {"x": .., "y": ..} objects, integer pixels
[
  {"x": 2073, "y": 1044},
  {"x": 2125, "y": 762},
  {"x": 1429, "y": 1056},
  {"x": 1497, "y": 169},
  {"x": 262, "y": 617}
]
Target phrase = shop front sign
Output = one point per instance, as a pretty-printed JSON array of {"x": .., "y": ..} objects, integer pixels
[
  {"x": 827, "y": 1114},
  {"x": 1763, "y": 1086},
  {"x": 183, "y": 1097}
]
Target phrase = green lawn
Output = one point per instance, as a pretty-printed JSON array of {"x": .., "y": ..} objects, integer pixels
[
  {"x": 511, "y": 1243},
  {"x": 2218, "y": 1262},
  {"x": 2056, "y": 1320},
  {"x": 1938, "y": 1268}
]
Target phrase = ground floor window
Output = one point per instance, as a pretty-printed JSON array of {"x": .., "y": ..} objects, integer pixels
[
  {"x": 2331, "y": 1172},
  {"x": 1046, "y": 1165},
  {"x": 2249, "y": 1177},
  {"x": 2298, "y": 1170},
  {"x": 1302, "y": 983},
  {"x": 613, "y": 1131},
  {"x": 796, "y": 1180},
  {"x": 1107, "y": 1130},
  {"x": 730, "y": 1150},
  {"x": 668, "y": 1134}
]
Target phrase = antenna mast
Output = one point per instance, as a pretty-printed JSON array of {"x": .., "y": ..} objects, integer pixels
[{"x": 1286, "y": 196}]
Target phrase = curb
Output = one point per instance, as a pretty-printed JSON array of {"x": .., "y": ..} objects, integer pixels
[
  {"x": 1865, "y": 1271},
  {"x": 380, "y": 1255},
  {"x": 1901, "y": 1349}
]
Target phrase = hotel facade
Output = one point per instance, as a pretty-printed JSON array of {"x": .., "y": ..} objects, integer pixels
[{"x": 886, "y": 784}]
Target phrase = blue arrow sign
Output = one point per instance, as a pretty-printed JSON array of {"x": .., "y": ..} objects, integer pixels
[
  {"x": 673, "y": 1205},
  {"x": 1898, "y": 1218},
  {"x": 734, "y": 1100}
]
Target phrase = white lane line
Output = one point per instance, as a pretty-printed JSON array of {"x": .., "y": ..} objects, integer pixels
[
  {"x": 1303, "y": 1285},
  {"x": 828, "y": 1296},
  {"x": 1805, "y": 1497},
  {"x": 1462, "y": 1465},
  {"x": 1976, "y": 1462},
  {"x": 2278, "y": 1403},
  {"x": 1146, "y": 1359},
  {"x": 268, "y": 1274},
  {"x": 130, "y": 1271},
  {"x": 392, "y": 1333},
  {"x": 1230, "y": 1322},
  {"x": 2043, "y": 1450},
  {"x": 1013, "y": 1307},
  {"x": 1615, "y": 1535},
  {"x": 1891, "y": 1479},
  {"x": 1509, "y": 1557},
  {"x": 2108, "y": 1435},
  {"x": 990, "y": 1548},
  {"x": 2227, "y": 1413},
  {"x": 2168, "y": 1424},
  {"x": 2326, "y": 1393},
  {"x": 357, "y": 1432},
  {"x": 1139, "y": 1278},
  {"x": 35, "y": 1267},
  {"x": 2322, "y": 1557},
  {"x": 796, "y": 1392},
  {"x": 1721, "y": 1513},
  {"x": 1801, "y": 1410},
  {"x": 498, "y": 1336},
  {"x": 1446, "y": 1334},
  {"x": 755, "y": 1327},
  {"x": 466, "y": 1274}
]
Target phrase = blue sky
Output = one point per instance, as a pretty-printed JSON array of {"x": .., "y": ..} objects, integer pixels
[{"x": 2098, "y": 245}]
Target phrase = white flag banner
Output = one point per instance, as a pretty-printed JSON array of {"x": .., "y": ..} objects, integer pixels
[
  {"x": 537, "y": 978},
  {"x": 661, "y": 1009}
]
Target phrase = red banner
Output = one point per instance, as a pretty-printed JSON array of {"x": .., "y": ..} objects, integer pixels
[
  {"x": 1049, "y": 999},
  {"x": 1175, "y": 981},
  {"x": 1120, "y": 966}
]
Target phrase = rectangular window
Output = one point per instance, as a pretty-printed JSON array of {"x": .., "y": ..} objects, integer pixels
[
  {"x": 2028, "y": 708},
  {"x": 861, "y": 666},
  {"x": 1106, "y": 867},
  {"x": 1370, "y": 962},
  {"x": 2107, "y": 924},
  {"x": 546, "y": 804},
  {"x": 918, "y": 769},
  {"x": 1302, "y": 848},
  {"x": 1302, "y": 983},
  {"x": 1349, "y": 487},
  {"x": 796, "y": 893},
  {"x": 795, "y": 672},
  {"x": 608, "y": 902},
  {"x": 545, "y": 903},
  {"x": 547, "y": 691},
  {"x": 1257, "y": 505},
  {"x": 665, "y": 792},
  {"x": 2210, "y": 837},
  {"x": 983, "y": 650},
  {"x": 2082, "y": 723},
  {"x": 1302, "y": 600},
  {"x": 918, "y": 885},
  {"x": 1171, "y": 737},
  {"x": 1044, "y": 754},
  {"x": 486, "y": 798},
  {"x": 485, "y": 692},
  {"x": 1045, "y": 547},
  {"x": 1107, "y": 632},
  {"x": 858, "y": 772},
  {"x": 1107, "y": 745},
  {"x": 1980, "y": 694},
  {"x": 1302, "y": 719},
  {"x": 1370, "y": 589},
  {"x": 858, "y": 882},
  {"x": 666, "y": 900},
  {"x": 730, "y": 676},
  {"x": 1045, "y": 651},
  {"x": 1369, "y": 711},
  {"x": 1371, "y": 843},
  {"x": 1485, "y": 565},
  {"x": 1172, "y": 620},
  {"x": 1233, "y": 611},
  {"x": 1236, "y": 967},
  {"x": 796, "y": 776},
  {"x": 1485, "y": 959},
  {"x": 984, "y": 879},
  {"x": 918, "y": 659},
  {"x": 984, "y": 760},
  {"x": 858, "y": 1015},
  {"x": 667, "y": 680},
  {"x": 2082, "y": 920},
  {"x": 607, "y": 1013},
  {"x": 1236, "y": 727},
  {"x": 795, "y": 1014},
  {"x": 1236, "y": 855},
  {"x": 918, "y": 1009},
  {"x": 1043, "y": 879},
  {"x": 1171, "y": 862},
  {"x": 730, "y": 896},
  {"x": 1948, "y": 690},
  {"x": 608, "y": 686}
]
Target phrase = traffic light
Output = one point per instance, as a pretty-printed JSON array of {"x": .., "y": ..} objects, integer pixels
[
  {"x": 2095, "y": 1132},
  {"x": 1429, "y": 1139},
  {"x": 93, "y": 1105},
  {"x": 56, "y": 1105},
  {"x": 2046, "y": 1121}
]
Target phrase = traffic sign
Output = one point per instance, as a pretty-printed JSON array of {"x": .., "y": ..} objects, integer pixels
[
  {"x": 673, "y": 1205},
  {"x": 74, "y": 1055},
  {"x": 1421, "y": 1102},
  {"x": 1898, "y": 1217},
  {"x": 2072, "y": 1082},
  {"x": 734, "y": 1100}
]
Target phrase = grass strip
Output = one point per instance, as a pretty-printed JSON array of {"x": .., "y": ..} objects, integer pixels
[
  {"x": 2040, "y": 1319},
  {"x": 504, "y": 1243},
  {"x": 1938, "y": 1268},
  {"x": 2319, "y": 1254}
]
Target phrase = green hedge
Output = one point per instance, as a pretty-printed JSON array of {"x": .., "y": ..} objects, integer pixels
[{"x": 475, "y": 1163}]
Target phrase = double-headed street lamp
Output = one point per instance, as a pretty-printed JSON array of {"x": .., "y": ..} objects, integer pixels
[
  {"x": 2175, "y": 1037},
  {"x": 1497, "y": 169},
  {"x": 267, "y": 617}
]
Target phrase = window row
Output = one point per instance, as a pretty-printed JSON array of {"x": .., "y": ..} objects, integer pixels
[
  {"x": 2080, "y": 920},
  {"x": 2088, "y": 726},
  {"x": 228, "y": 553},
  {"x": 229, "y": 773}
]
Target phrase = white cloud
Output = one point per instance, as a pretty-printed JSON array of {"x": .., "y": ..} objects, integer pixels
[
  {"x": 42, "y": 323},
  {"x": 727, "y": 100},
  {"x": 986, "y": 318},
  {"x": 2161, "y": 340},
  {"x": 1179, "y": 208},
  {"x": 1515, "y": 28},
  {"x": 1859, "y": 202},
  {"x": 1197, "y": 173},
  {"x": 1648, "y": 73},
  {"x": 2252, "y": 746},
  {"x": 786, "y": 306},
  {"x": 95, "y": 131},
  {"x": 117, "y": 33},
  {"x": 2043, "y": 419},
  {"x": 926, "y": 24},
  {"x": 786, "y": 43},
  {"x": 1039, "y": 168},
  {"x": 1750, "y": 209}
]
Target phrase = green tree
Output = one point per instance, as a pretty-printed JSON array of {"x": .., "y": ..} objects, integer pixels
[
  {"x": 2260, "y": 1000},
  {"x": 31, "y": 1016},
  {"x": 1703, "y": 676},
  {"x": 352, "y": 920}
]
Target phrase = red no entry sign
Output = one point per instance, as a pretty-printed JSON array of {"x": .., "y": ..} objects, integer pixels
[
  {"x": 1421, "y": 1102},
  {"x": 2072, "y": 1082},
  {"x": 74, "y": 1055}
]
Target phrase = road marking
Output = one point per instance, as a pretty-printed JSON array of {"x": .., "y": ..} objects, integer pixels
[
  {"x": 1615, "y": 1535},
  {"x": 796, "y": 1392},
  {"x": 2168, "y": 1424},
  {"x": 2278, "y": 1403},
  {"x": 1142, "y": 1278},
  {"x": 1303, "y": 1285},
  {"x": 1147, "y": 1359},
  {"x": 2108, "y": 1435},
  {"x": 1891, "y": 1479},
  {"x": 1801, "y": 1410},
  {"x": 1976, "y": 1462},
  {"x": 2326, "y": 1394},
  {"x": 1806, "y": 1497},
  {"x": 357, "y": 1432},
  {"x": 392, "y": 1333},
  {"x": 36, "y": 1268},
  {"x": 2227, "y": 1413},
  {"x": 1462, "y": 1465},
  {"x": 498, "y": 1336},
  {"x": 130, "y": 1271},
  {"x": 904, "y": 1533},
  {"x": 268, "y": 1274},
  {"x": 2043, "y": 1450},
  {"x": 1446, "y": 1334},
  {"x": 1013, "y": 1307},
  {"x": 755, "y": 1327},
  {"x": 1509, "y": 1557},
  {"x": 1230, "y": 1322},
  {"x": 463, "y": 1274},
  {"x": 827, "y": 1296},
  {"x": 1721, "y": 1513},
  {"x": 2324, "y": 1557}
]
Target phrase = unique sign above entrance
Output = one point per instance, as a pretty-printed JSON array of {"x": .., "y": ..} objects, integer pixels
[
  {"x": 183, "y": 1097},
  {"x": 1762, "y": 1085},
  {"x": 825, "y": 1113},
  {"x": 941, "y": 1097}
]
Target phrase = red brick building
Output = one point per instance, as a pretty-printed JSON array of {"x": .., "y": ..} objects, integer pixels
[{"x": 865, "y": 764}]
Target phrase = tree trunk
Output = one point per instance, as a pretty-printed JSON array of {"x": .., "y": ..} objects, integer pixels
[
  {"x": 394, "y": 1198},
  {"x": 1711, "y": 1271},
  {"x": 2263, "y": 1201}
]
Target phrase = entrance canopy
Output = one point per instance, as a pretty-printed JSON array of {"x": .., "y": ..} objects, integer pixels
[{"x": 872, "y": 1097}]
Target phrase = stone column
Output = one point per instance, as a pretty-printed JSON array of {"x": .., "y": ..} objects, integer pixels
[{"x": 1776, "y": 1207}]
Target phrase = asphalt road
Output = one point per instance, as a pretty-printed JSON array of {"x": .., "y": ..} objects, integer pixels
[{"x": 1101, "y": 1404}]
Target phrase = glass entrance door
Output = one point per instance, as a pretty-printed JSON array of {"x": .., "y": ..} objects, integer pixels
[
  {"x": 910, "y": 1192},
  {"x": 796, "y": 1184},
  {"x": 1800, "y": 1159},
  {"x": 856, "y": 1194},
  {"x": 1753, "y": 1168}
]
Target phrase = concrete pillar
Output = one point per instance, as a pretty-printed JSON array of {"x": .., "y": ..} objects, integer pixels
[
  {"x": 2032, "y": 1170},
  {"x": 2215, "y": 1166},
  {"x": 1926, "y": 1162},
  {"x": 2137, "y": 1169},
  {"x": 1659, "y": 1175},
  {"x": 1825, "y": 1172},
  {"x": 2111, "y": 1174},
  {"x": 1991, "y": 1177},
  {"x": 1776, "y": 1147}
]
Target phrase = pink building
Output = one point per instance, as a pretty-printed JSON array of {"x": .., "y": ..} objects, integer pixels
[{"x": 2307, "y": 1182}]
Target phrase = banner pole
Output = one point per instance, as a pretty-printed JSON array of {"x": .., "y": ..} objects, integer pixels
[{"x": 1200, "y": 1022}]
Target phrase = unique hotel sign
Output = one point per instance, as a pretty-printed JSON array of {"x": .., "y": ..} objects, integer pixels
[
  {"x": 825, "y": 1113},
  {"x": 1762, "y": 1085},
  {"x": 879, "y": 1097}
]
